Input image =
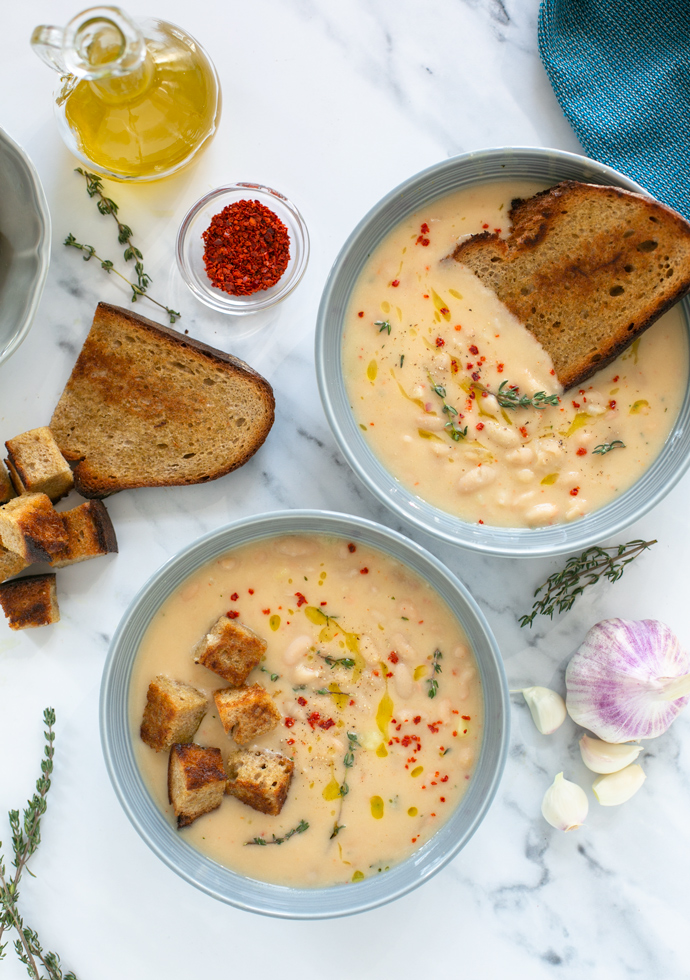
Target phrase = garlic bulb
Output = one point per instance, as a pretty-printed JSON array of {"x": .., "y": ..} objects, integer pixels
[
  {"x": 605, "y": 757},
  {"x": 565, "y": 804},
  {"x": 628, "y": 680},
  {"x": 618, "y": 787},
  {"x": 546, "y": 707}
]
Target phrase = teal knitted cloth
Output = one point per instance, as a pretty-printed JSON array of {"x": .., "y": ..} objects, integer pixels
[{"x": 621, "y": 72}]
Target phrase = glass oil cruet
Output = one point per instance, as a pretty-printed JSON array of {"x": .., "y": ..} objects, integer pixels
[{"x": 137, "y": 100}]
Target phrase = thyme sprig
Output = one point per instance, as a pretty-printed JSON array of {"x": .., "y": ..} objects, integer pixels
[
  {"x": 435, "y": 669},
  {"x": 273, "y": 676},
  {"x": 383, "y": 325},
  {"x": 562, "y": 588},
  {"x": 454, "y": 430},
  {"x": 606, "y": 447},
  {"x": 26, "y": 836},
  {"x": 346, "y": 662},
  {"x": 262, "y": 842},
  {"x": 90, "y": 253},
  {"x": 508, "y": 396},
  {"x": 348, "y": 763}
]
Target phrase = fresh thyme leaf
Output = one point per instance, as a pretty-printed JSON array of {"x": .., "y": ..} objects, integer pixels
[
  {"x": 262, "y": 842},
  {"x": 26, "y": 836},
  {"x": 383, "y": 325},
  {"x": 337, "y": 827},
  {"x": 606, "y": 447},
  {"x": 435, "y": 669},
  {"x": 508, "y": 396},
  {"x": 455, "y": 432},
  {"x": 332, "y": 662},
  {"x": 274, "y": 677},
  {"x": 562, "y": 588},
  {"x": 402, "y": 358}
]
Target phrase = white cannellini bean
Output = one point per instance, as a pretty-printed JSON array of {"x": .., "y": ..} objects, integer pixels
[
  {"x": 402, "y": 680},
  {"x": 480, "y": 476},
  {"x": 403, "y": 648},
  {"x": 521, "y": 456},
  {"x": 297, "y": 649},
  {"x": 541, "y": 514},
  {"x": 227, "y": 563},
  {"x": 443, "y": 709},
  {"x": 442, "y": 362},
  {"x": 369, "y": 650},
  {"x": 440, "y": 449},
  {"x": 432, "y": 423},
  {"x": 305, "y": 675},
  {"x": 418, "y": 391},
  {"x": 189, "y": 592},
  {"x": 502, "y": 435},
  {"x": 295, "y": 547},
  {"x": 524, "y": 476}
]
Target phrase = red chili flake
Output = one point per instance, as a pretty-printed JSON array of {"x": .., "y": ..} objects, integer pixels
[
  {"x": 480, "y": 522},
  {"x": 265, "y": 611},
  {"x": 574, "y": 492},
  {"x": 396, "y": 282},
  {"x": 552, "y": 371},
  {"x": 576, "y": 404},
  {"x": 301, "y": 600},
  {"x": 497, "y": 230},
  {"x": 290, "y": 741},
  {"x": 375, "y": 673},
  {"x": 442, "y": 798},
  {"x": 473, "y": 349},
  {"x": 424, "y": 229},
  {"x": 466, "y": 717},
  {"x": 352, "y": 547},
  {"x": 457, "y": 326},
  {"x": 289, "y": 722},
  {"x": 434, "y": 728},
  {"x": 250, "y": 591},
  {"x": 390, "y": 674},
  {"x": 425, "y": 295},
  {"x": 443, "y": 310},
  {"x": 246, "y": 248},
  {"x": 393, "y": 657},
  {"x": 582, "y": 451},
  {"x": 328, "y": 723},
  {"x": 612, "y": 404},
  {"x": 469, "y": 365},
  {"x": 479, "y": 426},
  {"x": 464, "y": 731},
  {"x": 433, "y": 814},
  {"x": 351, "y": 701},
  {"x": 364, "y": 571},
  {"x": 485, "y": 226},
  {"x": 440, "y": 342},
  {"x": 499, "y": 368},
  {"x": 422, "y": 241},
  {"x": 323, "y": 603},
  {"x": 417, "y": 719},
  {"x": 454, "y": 366},
  {"x": 476, "y": 375},
  {"x": 455, "y": 734},
  {"x": 433, "y": 782},
  {"x": 615, "y": 379},
  {"x": 444, "y": 779},
  {"x": 523, "y": 431},
  {"x": 314, "y": 719},
  {"x": 234, "y": 597},
  {"x": 361, "y": 313},
  {"x": 232, "y": 614},
  {"x": 301, "y": 701}
]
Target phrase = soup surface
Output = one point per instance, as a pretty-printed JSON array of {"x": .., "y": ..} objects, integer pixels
[
  {"x": 353, "y": 636},
  {"x": 426, "y": 347}
]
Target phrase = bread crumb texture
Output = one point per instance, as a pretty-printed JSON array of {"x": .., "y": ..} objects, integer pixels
[
  {"x": 259, "y": 778},
  {"x": 172, "y": 714},
  {"x": 230, "y": 650},
  {"x": 196, "y": 781},
  {"x": 30, "y": 601}
]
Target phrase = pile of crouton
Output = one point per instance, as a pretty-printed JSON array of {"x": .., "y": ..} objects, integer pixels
[{"x": 197, "y": 778}]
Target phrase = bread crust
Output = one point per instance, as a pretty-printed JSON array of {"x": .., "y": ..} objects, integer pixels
[
  {"x": 146, "y": 406},
  {"x": 587, "y": 269},
  {"x": 30, "y": 601}
]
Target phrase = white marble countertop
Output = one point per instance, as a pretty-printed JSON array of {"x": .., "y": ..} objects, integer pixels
[{"x": 332, "y": 104}]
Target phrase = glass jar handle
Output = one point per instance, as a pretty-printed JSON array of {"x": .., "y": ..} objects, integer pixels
[{"x": 47, "y": 43}]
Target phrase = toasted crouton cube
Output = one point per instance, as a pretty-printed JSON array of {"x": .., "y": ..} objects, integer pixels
[
  {"x": 172, "y": 714},
  {"x": 196, "y": 781},
  {"x": 10, "y": 564},
  {"x": 37, "y": 465},
  {"x": 246, "y": 712},
  {"x": 260, "y": 779},
  {"x": 230, "y": 649},
  {"x": 30, "y": 601},
  {"x": 89, "y": 531},
  {"x": 31, "y": 527},
  {"x": 7, "y": 491}
]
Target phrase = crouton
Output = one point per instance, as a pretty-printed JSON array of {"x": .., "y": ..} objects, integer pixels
[
  {"x": 30, "y": 601},
  {"x": 10, "y": 564},
  {"x": 89, "y": 531},
  {"x": 7, "y": 491},
  {"x": 260, "y": 779},
  {"x": 196, "y": 781},
  {"x": 230, "y": 650},
  {"x": 36, "y": 464},
  {"x": 32, "y": 528},
  {"x": 246, "y": 712},
  {"x": 172, "y": 714}
]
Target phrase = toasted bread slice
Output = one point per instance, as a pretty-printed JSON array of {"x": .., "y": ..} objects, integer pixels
[
  {"x": 260, "y": 779},
  {"x": 146, "y": 406},
  {"x": 31, "y": 527},
  {"x": 10, "y": 563},
  {"x": 196, "y": 781},
  {"x": 7, "y": 490},
  {"x": 173, "y": 712},
  {"x": 586, "y": 269},
  {"x": 230, "y": 649},
  {"x": 246, "y": 712},
  {"x": 30, "y": 601},
  {"x": 90, "y": 533},
  {"x": 36, "y": 464}
]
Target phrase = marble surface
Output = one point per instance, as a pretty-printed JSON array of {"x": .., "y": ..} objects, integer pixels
[{"x": 333, "y": 104}]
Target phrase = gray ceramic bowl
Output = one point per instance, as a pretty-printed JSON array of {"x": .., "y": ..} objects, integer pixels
[
  {"x": 258, "y": 896},
  {"x": 519, "y": 163},
  {"x": 24, "y": 244}
]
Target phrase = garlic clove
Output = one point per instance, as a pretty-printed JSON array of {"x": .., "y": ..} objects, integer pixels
[
  {"x": 606, "y": 757},
  {"x": 565, "y": 804},
  {"x": 546, "y": 707},
  {"x": 618, "y": 787}
]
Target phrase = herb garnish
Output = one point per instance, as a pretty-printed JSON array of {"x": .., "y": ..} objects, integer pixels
[
  {"x": 606, "y": 447},
  {"x": 562, "y": 588},
  {"x": 508, "y": 396},
  {"x": 261, "y": 841},
  {"x": 383, "y": 325},
  {"x": 349, "y": 760},
  {"x": 274, "y": 677},
  {"x": 332, "y": 662},
  {"x": 337, "y": 827},
  {"x": 435, "y": 669},
  {"x": 26, "y": 836},
  {"x": 454, "y": 431}
]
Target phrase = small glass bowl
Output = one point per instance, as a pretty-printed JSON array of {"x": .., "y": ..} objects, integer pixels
[{"x": 190, "y": 248}]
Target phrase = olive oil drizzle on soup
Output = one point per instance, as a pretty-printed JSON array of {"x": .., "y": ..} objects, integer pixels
[
  {"x": 360, "y": 627},
  {"x": 419, "y": 323}
]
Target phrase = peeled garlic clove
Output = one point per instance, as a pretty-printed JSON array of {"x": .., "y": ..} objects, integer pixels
[
  {"x": 618, "y": 787},
  {"x": 605, "y": 757},
  {"x": 546, "y": 707},
  {"x": 565, "y": 804}
]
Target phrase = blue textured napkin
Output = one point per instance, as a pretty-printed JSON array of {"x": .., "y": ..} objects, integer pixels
[{"x": 621, "y": 72}]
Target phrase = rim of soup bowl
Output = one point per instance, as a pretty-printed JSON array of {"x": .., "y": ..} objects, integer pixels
[{"x": 220, "y": 882}]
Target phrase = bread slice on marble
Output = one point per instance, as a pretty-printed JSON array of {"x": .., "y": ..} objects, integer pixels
[
  {"x": 90, "y": 533},
  {"x": 30, "y": 601},
  {"x": 31, "y": 528},
  {"x": 586, "y": 269},
  {"x": 36, "y": 464}
]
